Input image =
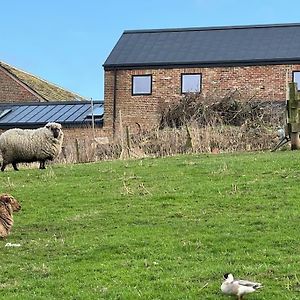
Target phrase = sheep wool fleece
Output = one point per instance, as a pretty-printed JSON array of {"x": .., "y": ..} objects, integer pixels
[{"x": 29, "y": 145}]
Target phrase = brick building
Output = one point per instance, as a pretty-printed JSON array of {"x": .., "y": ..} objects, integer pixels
[
  {"x": 27, "y": 101},
  {"x": 81, "y": 120},
  {"x": 19, "y": 86},
  {"x": 149, "y": 68}
]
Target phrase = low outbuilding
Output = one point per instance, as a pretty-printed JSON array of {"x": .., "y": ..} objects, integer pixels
[
  {"x": 81, "y": 121},
  {"x": 78, "y": 118}
]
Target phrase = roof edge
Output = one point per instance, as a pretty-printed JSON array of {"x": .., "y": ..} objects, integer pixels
[
  {"x": 2, "y": 64},
  {"x": 50, "y": 103},
  {"x": 203, "y": 64},
  {"x": 20, "y": 82},
  {"x": 211, "y": 28}
]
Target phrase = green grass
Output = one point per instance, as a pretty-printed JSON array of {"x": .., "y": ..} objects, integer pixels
[{"x": 154, "y": 228}]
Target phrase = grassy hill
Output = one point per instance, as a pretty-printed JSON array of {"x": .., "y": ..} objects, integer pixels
[{"x": 154, "y": 228}]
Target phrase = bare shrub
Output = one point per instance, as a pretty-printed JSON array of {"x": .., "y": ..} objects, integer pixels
[
  {"x": 196, "y": 124},
  {"x": 193, "y": 125},
  {"x": 222, "y": 111}
]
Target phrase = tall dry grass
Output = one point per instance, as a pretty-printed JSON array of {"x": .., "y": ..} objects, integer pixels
[{"x": 192, "y": 125}]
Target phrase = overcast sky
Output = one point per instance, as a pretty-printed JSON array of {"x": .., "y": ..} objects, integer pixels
[{"x": 67, "y": 41}]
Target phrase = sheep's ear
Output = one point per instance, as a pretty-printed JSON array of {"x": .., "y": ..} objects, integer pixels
[{"x": 5, "y": 198}]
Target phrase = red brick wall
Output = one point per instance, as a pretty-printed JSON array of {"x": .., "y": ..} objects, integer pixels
[
  {"x": 84, "y": 133},
  {"x": 12, "y": 91},
  {"x": 256, "y": 82}
]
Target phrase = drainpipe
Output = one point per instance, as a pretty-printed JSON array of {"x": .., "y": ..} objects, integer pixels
[{"x": 115, "y": 103}]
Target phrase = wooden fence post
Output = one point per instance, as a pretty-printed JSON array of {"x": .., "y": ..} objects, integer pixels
[
  {"x": 77, "y": 150},
  {"x": 293, "y": 115}
]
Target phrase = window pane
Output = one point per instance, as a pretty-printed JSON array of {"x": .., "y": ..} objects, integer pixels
[
  {"x": 97, "y": 111},
  {"x": 191, "y": 83},
  {"x": 297, "y": 79},
  {"x": 141, "y": 85}
]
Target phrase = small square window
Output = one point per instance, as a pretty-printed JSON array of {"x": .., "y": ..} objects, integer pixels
[
  {"x": 190, "y": 83},
  {"x": 142, "y": 85},
  {"x": 296, "y": 79}
]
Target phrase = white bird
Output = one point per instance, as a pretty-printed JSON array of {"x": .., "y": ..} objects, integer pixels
[{"x": 231, "y": 286}]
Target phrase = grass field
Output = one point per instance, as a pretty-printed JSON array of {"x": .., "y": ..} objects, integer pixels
[{"x": 154, "y": 228}]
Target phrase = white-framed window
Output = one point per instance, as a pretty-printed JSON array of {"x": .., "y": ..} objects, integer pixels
[
  {"x": 191, "y": 83},
  {"x": 296, "y": 78},
  {"x": 141, "y": 85}
]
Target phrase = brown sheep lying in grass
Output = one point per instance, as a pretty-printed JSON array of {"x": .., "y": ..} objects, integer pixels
[{"x": 8, "y": 204}]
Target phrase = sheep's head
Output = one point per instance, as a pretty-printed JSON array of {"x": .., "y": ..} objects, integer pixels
[
  {"x": 55, "y": 128},
  {"x": 9, "y": 201}
]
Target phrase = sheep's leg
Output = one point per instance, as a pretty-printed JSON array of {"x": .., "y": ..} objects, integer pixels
[
  {"x": 14, "y": 164},
  {"x": 42, "y": 164},
  {"x": 3, "y": 166}
]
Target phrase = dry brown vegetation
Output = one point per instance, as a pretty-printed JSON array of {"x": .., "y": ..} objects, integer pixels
[{"x": 193, "y": 125}]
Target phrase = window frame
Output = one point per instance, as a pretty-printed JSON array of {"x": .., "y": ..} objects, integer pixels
[
  {"x": 298, "y": 83},
  {"x": 132, "y": 83},
  {"x": 200, "y": 83}
]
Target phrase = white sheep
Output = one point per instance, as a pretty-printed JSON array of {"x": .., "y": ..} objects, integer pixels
[{"x": 31, "y": 145}]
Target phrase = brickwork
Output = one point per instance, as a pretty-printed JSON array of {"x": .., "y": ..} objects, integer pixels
[
  {"x": 83, "y": 133},
  {"x": 258, "y": 82},
  {"x": 12, "y": 91}
]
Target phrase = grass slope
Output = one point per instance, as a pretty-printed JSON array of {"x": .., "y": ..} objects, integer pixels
[{"x": 154, "y": 228}]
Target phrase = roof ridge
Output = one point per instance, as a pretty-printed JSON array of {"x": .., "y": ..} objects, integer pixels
[
  {"x": 3, "y": 64},
  {"x": 7, "y": 67},
  {"x": 210, "y": 28}
]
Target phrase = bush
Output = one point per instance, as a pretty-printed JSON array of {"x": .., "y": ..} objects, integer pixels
[{"x": 194, "y": 125}]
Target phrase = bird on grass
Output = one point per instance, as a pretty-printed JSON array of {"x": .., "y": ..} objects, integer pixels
[{"x": 231, "y": 286}]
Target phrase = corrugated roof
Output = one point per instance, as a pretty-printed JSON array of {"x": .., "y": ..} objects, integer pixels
[
  {"x": 48, "y": 91},
  {"x": 279, "y": 43},
  {"x": 32, "y": 115}
]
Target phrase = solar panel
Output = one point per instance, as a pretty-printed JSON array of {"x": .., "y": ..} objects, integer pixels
[
  {"x": 27, "y": 118},
  {"x": 58, "y": 114},
  {"x": 52, "y": 110},
  {"x": 70, "y": 110},
  {"x": 43, "y": 110},
  {"x": 76, "y": 115},
  {"x": 20, "y": 113},
  {"x": 37, "y": 114},
  {"x": 4, "y": 112}
]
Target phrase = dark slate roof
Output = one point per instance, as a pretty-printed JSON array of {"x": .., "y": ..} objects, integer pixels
[
  {"x": 47, "y": 91},
  {"x": 33, "y": 115},
  {"x": 237, "y": 45}
]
